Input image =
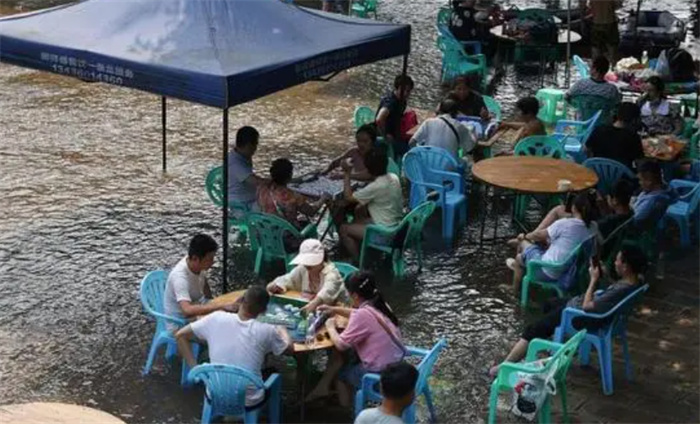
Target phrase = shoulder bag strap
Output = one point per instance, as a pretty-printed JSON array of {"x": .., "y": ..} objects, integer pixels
[
  {"x": 391, "y": 334},
  {"x": 454, "y": 130}
]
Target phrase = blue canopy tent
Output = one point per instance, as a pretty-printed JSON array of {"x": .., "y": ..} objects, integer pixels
[{"x": 219, "y": 53}]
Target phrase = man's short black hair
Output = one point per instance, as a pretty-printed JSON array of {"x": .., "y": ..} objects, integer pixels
[
  {"x": 622, "y": 191},
  {"x": 246, "y": 136},
  {"x": 201, "y": 245},
  {"x": 633, "y": 257},
  {"x": 256, "y": 299},
  {"x": 403, "y": 81},
  {"x": 652, "y": 168},
  {"x": 281, "y": 171},
  {"x": 376, "y": 162},
  {"x": 628, "y": 113},
  {"x": 528, "y": 105},
  {"x": 448, "y": 106},
  {"x": 601, "y": 64},
  {"x": 398, "y": 380}
]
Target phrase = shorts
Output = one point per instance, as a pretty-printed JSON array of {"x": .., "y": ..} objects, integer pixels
[
  {"x": 535, "y": 252},
  {"x": 603, "y": 35}
]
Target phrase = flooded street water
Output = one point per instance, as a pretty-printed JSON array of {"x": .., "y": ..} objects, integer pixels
[{"x": 85, "y": 212}]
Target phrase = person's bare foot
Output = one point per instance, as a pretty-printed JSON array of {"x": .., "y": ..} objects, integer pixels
[
  {"x": 512, "y": 264},
  {"x": 493, "y": 371},
  {"x": 316, "y": 394}
]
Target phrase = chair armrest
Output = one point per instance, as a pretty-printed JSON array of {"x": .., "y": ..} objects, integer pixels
[
  {"x": 534, "y": 265},
  {"x": 369, "y": 382},
  {"x": 309, "y": 231},
  {"x": 273, "y": 381},
  {"x": 538, "y": 345},
  {"x": 416, "y": 351},
  {"x": 682, "y": 185},
  {"x": 569, "y": 313},
  {"x": 505, "y": 370},
  {"x": 454, "y": 178},
  {"x": 381, "y": 230},
  {"x": 563, "y": 124},
  {"x": 179, "y": 321}
]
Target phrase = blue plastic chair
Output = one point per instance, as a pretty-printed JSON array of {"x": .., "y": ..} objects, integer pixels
[
  {"x": 581, "y": 67},
  {"x": 226, "y": 388},
  {"x": 609, "y": 173},
  {"x": 267, "y": 233},
  {"x": 574, "y": 134},
  {"x": 684, "y": 210},
  {"x": 602, "y": 339},
  {"x": 431, "y": 171},
  {"x": 368, "y": 391},
  {"x": 152, "y": 291}
]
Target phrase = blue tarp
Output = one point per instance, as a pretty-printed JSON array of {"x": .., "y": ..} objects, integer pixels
[{"x": 214, "y": 52}]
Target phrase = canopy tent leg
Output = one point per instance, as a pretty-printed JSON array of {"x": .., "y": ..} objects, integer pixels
[
  {"x": 224, "y": 238},
  {"x": 405, "y": 65},
  {"x": 163, "y": 117},
  {"x": 567, "y": 72}
]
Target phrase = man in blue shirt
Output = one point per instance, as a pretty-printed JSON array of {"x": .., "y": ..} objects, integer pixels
[{"x": 242, "y": 181}]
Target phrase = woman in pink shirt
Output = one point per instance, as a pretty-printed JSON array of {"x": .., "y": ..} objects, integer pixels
[{"x": 371, "y": 341}]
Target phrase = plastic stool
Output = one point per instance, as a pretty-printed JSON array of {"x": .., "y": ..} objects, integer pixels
[{"x": 552, "y": 105}]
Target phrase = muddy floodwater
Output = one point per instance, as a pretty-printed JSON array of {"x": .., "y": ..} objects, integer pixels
[{"x": 85, "y": 212}]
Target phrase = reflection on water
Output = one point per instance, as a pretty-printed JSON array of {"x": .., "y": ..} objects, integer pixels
[{"x": 86, "y": 212}]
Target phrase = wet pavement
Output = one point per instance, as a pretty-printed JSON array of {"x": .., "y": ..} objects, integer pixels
[{"x": 86, "y": 212}]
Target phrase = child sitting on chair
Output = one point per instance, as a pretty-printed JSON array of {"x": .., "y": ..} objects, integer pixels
[{"x": 526, "y": 121}]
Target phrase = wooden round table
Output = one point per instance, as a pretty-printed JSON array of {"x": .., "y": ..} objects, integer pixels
[
  {"x": 54, "y": 413},
  {"x": 528, "y": 175},
  {"x": 531, "y": 174}
]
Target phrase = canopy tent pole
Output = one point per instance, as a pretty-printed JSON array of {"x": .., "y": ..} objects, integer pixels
[
  {"x": 567, "y": 72},
  {"x": 636, "y": 22},
  {"x": 405, "y": 65},
  {"x": 224, "y": 184},
  {"x": 163, "y": 117}
]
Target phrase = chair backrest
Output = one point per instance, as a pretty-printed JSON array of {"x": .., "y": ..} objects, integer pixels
[
  {"x": 582, "y": 258},
  {"x": 268, "y": 233},
  {"x": 493, "y": 107},
  {"x": 393, "y": 168},
  {"x": 443, "y": 17},
  {"x": 693, "y": 199},
  {"x": 426, "y": 365},
  {"x": 587, "y": 105},
  {"x": 345, "y": 269},
  {"x": 415, "y": 220},
  {"x": 622, "y": 310},
  {"x": 226, "y": 386},
  {"x": 214, "y": 186},
  {"x": 581, "y": 67},
  {"x": 363, "y": 115},
  {"x": 609, "y": 173},
  {"x": 152, "y": 292},
  {"x": 613, "y": 242},
  {"x": 563, "y": 358},
  {"x": 420, "y": 161},
  {"x": 540, "y": 145}
]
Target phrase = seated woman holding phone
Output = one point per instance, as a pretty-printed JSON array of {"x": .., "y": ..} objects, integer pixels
[
  {"x": 630, "y": 264},
  {"x": 315, "y": 275}
]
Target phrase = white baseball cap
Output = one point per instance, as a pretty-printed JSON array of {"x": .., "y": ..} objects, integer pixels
[{"x": 311, "y": 253}]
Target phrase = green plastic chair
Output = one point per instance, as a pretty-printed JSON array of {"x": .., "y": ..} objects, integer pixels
[
  {"x": 345, "y": 269},
  {"x": 362, "y": 8},
  {"x": 550, "y": 52},
  {"x": 443, "y": 17},
  {"x": 509, "y": 373},
  {"x": 268, "y": 232},
  {"x": 579, "y": 257},
  {"x": 493, "y": 107},
  {"x": 691, "y": 152},
  {"x": 689, "y": 104},
  {"x": 384, "y": 239},
  {"x": 612, "y": 244},
  {"x": 553, "y": 105},
  {"x": 363, "y": 115},
  {"x": 587, "y": 106},
  {"x": 237, "y": 211},
  {"x": 456, "y": 61}
]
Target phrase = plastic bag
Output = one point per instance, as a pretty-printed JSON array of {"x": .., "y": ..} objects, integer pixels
[
  {"x": 662, "y": 67},
  {"x": 531, "y": 390}
]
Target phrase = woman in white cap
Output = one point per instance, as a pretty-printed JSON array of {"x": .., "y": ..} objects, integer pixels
[{"x": 314, "y": 274}]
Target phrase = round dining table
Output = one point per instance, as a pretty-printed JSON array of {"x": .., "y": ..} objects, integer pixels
[
  {"x": 54, "y": 413},
  {"x": 529, "y": 175}
]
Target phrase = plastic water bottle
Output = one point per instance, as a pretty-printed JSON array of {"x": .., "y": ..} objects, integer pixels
[
  {"x": 311, "y": 330},
  {"x": 645, "y": 59}
]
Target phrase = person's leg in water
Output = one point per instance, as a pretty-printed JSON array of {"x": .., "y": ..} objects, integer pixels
[
  {"x": 351, "y": 236},
  {"x": 542, "y": 329},
  {"x": 322, "y": 389}
]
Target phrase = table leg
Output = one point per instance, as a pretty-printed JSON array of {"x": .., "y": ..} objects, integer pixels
[
  {"x": 494, "y": 212},
  {"x": 302, "y": 360},
  {"x": 485, "y": 199}
]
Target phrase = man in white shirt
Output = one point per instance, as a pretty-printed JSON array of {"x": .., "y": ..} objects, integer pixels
[
  {"x": 187, "y": 291},
  {"x": 238, "y": 339},
  {"x": 382, "y": 198},
  {"x": 445, "y": 131}
]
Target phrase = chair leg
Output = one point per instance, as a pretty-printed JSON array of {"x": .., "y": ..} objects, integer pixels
[
  {"x": 584, "y": 353},
  {"x": 185, "y": 368},
  {"x": 524, "y": 291},
  {"x": 206, "y": 412},
  {"x": 545, "y": 411},
  {"x": 171, "y": 350},
  {"x": 359, "y": 402},
  {"x": 274, "y": 403},
  {"x": 626, "y": 354},
  {"x": 493, "y": 403},
  {"x": 684, "y": 229},
  {"x": 564, "y": 410},
  {"x": 409, "y": 414},
  {"x": 605, "y": 360},
  {"x": 151, "y": 355},
  {"x": 258, "y": 261},
  {"x": 429, "y": 402}
]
